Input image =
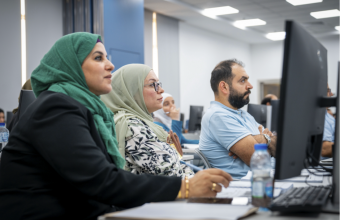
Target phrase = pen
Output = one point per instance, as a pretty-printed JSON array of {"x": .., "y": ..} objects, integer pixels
[{"x": 195, "y": 168}]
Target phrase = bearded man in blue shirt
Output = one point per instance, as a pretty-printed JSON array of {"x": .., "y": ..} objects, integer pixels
[{"x": 229, "y": 133}]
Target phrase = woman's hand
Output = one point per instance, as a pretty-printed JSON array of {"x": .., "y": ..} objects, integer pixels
[
  {"x": 202, "y": 184},
  {"x": 174, "y": 113}
]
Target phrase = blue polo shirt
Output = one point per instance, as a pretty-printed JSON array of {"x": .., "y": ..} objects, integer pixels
[
  {"x": 221, "y": 128},
  {"x": 329, "y": 128}
]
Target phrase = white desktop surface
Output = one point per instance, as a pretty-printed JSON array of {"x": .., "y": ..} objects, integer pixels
[
  {"x": 190, "y": 146},
  {"x": 280, "y": 216},
  {"x": 187, "y": 157}
]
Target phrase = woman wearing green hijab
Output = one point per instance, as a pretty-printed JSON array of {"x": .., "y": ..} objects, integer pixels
[{"x": 62, "y": 159}]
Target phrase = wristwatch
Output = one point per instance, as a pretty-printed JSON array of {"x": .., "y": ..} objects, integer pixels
[{"x": 266, "y": 136}]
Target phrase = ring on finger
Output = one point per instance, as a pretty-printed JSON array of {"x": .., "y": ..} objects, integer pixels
[{"x": 213, "y": 188}]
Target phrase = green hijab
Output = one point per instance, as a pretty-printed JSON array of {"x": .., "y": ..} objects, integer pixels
[
  {"x": 60, "y": 71},
  {"x": 126, "y": 101}
]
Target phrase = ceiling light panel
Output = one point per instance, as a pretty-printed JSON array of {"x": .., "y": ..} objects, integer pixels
[
  {"x": 276, "y": 36},
  {"x": 242, "y": 24},
  {"x": 220, "y": 11},
  {"x": 337, "y": 28},
  {"x": 326, "y": 14},
  {"x": 303, "y": 2}
]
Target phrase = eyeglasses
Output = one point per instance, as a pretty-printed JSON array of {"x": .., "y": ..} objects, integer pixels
[{"x": 156, "y": 85}]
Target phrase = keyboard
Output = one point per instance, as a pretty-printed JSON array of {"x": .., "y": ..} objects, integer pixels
[{"x": 304, "y": 199}]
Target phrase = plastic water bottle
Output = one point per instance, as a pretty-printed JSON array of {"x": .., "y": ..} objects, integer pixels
[
  {"x": 261, "y": 182},
  {"x": 4, "y": 134}
]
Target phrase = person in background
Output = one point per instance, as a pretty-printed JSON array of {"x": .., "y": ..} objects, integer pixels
[
  {"x": 168, "y": 118},
  {"x": 328, "y": 132},
  {"x": 136, "y": 93},
  {"x": 226, "y": 128},
  {"x": 268, "y": 98},
  {"x": 15, "y": 118},
  {"x": 62, "y": 159},
  {"x": 2, "y": 116}
]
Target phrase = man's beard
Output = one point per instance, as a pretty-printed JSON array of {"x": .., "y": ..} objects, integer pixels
[{"x": 236, "y": 99}]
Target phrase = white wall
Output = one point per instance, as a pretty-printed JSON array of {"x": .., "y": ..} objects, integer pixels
[
  {"x": 267, "y": 59},
  {"x": 44, "y": 27},
  {"x": 148, "y": 38},
  {"x": 168, "y": 56},
  {"x": 10, "y": 59},
  {"x": 266, "y": 62},
  {"x": 199, "y": 52},
  {"x": 331, "y": 43}
]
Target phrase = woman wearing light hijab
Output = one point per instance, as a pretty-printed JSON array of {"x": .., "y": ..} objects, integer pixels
[
  {"x": 168, "y": 118},
  {"x": 135, "y": 95},
  {"x": 62, "y": 159}
]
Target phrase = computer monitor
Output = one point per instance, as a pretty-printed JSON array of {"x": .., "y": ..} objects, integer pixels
[
  {"x": 301, "y": 117},
  {"x": 195, "y": 118},
  {"x": 181, "y": 118},
  {"x": 259, "y": 112},
  {"x": 275, "y": 114}
]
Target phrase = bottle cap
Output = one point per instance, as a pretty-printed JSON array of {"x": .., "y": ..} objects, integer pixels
[
  {"x": 261, "y": 146},
  {"x": 2, "y": 124}
]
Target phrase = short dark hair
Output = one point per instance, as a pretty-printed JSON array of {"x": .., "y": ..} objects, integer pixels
[
  {"x": 2, "y": 111},
  {"x": 223, "y": 72},
  {"x": 266, "y": 100}
]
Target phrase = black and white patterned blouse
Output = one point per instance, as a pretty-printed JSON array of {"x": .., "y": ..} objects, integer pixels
[{"x": 145, "y": 153}]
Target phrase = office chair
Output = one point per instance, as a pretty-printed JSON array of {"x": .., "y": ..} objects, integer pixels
[
  {"x": 26, "y": 98},
  {"x": 9, "y": 116},
  {"x": 203, "y": 160}
]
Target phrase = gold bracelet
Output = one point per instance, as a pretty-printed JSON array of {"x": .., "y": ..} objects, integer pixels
[
  {"x": 179, "y": 196},
  {"x": 186, "y": 187}
]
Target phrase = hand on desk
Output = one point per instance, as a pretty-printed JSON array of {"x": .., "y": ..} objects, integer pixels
[{"x": 203, "y": 182}]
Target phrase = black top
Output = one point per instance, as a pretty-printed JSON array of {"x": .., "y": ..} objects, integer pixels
[{"x": 56, "y": 166}]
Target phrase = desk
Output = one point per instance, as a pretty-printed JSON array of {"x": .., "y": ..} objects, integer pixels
[{"x": 277, "y": 215}]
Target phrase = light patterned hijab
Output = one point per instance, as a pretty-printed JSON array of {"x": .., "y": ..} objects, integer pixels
[
  {"x": 126, "y": 101},
  {"x": 161, "y": 115}
]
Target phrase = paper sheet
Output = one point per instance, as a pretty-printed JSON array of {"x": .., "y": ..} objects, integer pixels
[
  {"x": 177, "y": 210},
  {"x": 231, "y": 192},
  {"x": 310, "y": 179}
]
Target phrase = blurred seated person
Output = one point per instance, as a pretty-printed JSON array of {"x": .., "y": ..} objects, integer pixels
[
  {"x": 2, "y": 116},
  {"x": 226, "y": 128},
  {"x": 328, "y": 132},
  {"x": 136, "y": 93},
  {"x": 15, "y": 118},
  {"x": 62, "y": 160},
  {"x": 168, "y": 118},
  {"x": 268, "y": 98}
]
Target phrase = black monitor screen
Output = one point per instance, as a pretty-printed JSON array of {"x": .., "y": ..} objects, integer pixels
[
  {"x": 303, "y": 84},
  {"x": 195, "y": 118},
  {"x": 259, "y": 112},
  {"x": 275, "y": 114}
]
